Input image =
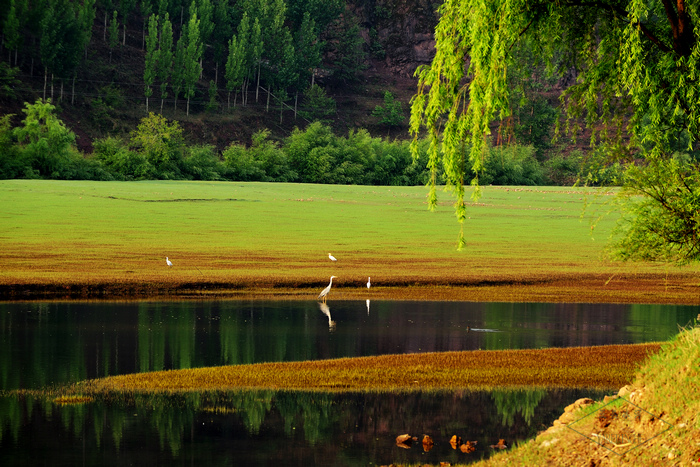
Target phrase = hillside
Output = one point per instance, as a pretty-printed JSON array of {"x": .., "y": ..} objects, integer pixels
[{"x": 107, "y": 98}]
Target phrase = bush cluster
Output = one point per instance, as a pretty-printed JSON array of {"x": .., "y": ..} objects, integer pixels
[{"x": 43, "y": 147}]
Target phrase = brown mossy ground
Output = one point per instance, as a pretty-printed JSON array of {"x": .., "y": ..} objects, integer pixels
[{"x": 603, "y": 367}]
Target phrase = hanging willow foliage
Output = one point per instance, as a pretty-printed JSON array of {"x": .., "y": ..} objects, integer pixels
[{"x": 636, "y": 65}]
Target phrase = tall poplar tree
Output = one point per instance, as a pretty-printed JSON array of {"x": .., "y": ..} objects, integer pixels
[
  {"x": 165, "y": 57},
  {"x": 151, "y": 66},
  {"x": 235, "y": 64},
  {"x": 222, "y": 33},
  {"x": 178, "y": 75},
  {"x": 11, "y": 31},
  {"x": 193, "y": 53},
  {"x": 113, "y": 36},
  {"x": 637, "y": 88},
  {"x": 61, "y": 44}
]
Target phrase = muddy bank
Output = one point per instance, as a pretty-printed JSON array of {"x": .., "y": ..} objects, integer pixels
[{"x": 592, "y": 288}]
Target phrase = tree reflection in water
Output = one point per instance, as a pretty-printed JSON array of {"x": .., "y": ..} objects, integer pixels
[{"x": 278, "y": 427}]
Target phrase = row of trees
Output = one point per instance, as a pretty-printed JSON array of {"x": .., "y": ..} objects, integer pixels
[
  {"x": 43, "y": 147},
  {"x": 275, "y": 44}
]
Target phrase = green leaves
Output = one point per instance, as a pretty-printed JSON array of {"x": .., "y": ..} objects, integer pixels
[{"x": 636, "y": 91}]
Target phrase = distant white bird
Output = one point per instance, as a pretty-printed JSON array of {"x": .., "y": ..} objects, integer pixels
[
  {"x": 332, "y": 257},
  {"x": 325, "y": 291},
  {"x": 368, "y": 284},
  {"x": 168, "y": 262}
]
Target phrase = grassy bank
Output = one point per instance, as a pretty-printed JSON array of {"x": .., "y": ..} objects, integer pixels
[
  {"x": 653, "y": 421},
  {"x": 110, "y": 239},
  {"x": 596, "y": 367}
]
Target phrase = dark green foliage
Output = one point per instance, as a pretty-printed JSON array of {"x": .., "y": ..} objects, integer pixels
[
  {"x": 391, "y": 113},
  {"x": 347, "y": 46},
  {"x": 11, "y": 166},
  {"x": 213, "y": 103},
  {"x": 309, "y": 153},
  {"x": 122, "y": 162},
  {"x": 317, "y": 105},
  {"x": 202, "y": 163},
  {"x": 242, "y": 165},
  {"x": 8, "y": 80},
  {"x": 62, "y": 39},
  {"x": 44, "y": 147},
  {"x": 512, "y": 165},
  {"x": 563, "y": 171},
  {"x": 534, "y": 124}
]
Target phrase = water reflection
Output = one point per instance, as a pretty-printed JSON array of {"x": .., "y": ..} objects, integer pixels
[
  {"x": 275, "y": 427},
  {"x": 45, "y": 344},
  {"x": 327, "y": 311}
]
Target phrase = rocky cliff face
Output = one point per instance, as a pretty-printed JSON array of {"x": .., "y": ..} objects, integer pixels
[{"x": 398, "y": 33}]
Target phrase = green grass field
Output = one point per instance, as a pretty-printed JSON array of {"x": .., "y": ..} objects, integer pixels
[{"x": 250, "y": 236}]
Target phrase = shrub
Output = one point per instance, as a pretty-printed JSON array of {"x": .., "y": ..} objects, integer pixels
[
  {"x": 202, "y": 163},
  {"x": 241, "y": 164},
  {"x": 45, "y": 142},
  {"x": 310, "y": 153},
  {"x": 161, "y": 143},
  {"x": 563, "y": 171},
  {"x": 120, "y": 161},
  {"x": 511, "y": 165}
]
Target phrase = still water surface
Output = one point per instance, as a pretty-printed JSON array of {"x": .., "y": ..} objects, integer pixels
[{"x": 45, "y": 344}]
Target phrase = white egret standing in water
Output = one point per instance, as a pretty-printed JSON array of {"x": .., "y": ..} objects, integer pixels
[
  {"x": 332, "y": 257},
  {"x": 368, "y": 284},
  {"x": 325, "y": 291},
  {"x": 167, "y": 261}
]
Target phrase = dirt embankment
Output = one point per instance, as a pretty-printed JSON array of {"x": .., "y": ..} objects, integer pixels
[{"x": 678, "y": 288}]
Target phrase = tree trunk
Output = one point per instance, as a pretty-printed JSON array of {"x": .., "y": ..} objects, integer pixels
[
  {"x": 188, "y": 106},
  {"x": 46, "y": 73},
  {"x": 72, "y": 95},
  {"x": 267, "y": 106},
  {"x": 257, "y": 86},
  {"x": 296, "y": 101},
  {"x": 104, "y": 34}
]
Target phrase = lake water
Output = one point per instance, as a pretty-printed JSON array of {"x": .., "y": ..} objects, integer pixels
[{"x": 47, "y": 344}]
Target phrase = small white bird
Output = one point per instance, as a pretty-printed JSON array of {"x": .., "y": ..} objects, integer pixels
[
  {"x": 325, "y": 291},
  {"x": 332, "y": 257},
  {"x": 368, "y": 284},
  {"x": 168, "y": 262}
]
